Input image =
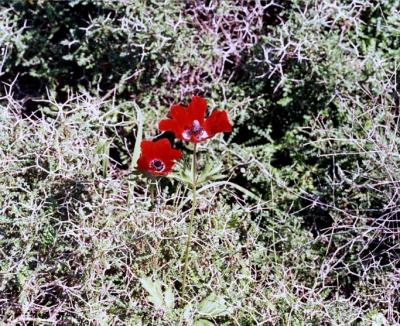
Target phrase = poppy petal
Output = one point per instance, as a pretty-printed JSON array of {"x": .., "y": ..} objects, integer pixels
[
  {"x": 171, "y": 125},
  {"x": 145, "y": 149},
  {"x": 197, "y": 108},
  {"x": 163, "y": 146},
  {"x": 189, "y": 124},
  {"x": 146, "y": 146},
  {"x": 166, "y": 152},
  {"x": 176, "y": 154},
  {"x": 177, "y": 112},
  {"x": 168, "y": 125},
  {"x": 217, "y": 122},
  {"x": 157, "y": 157}
]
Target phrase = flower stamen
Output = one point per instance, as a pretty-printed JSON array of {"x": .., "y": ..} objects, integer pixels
[{"x": 197, "y": 132}]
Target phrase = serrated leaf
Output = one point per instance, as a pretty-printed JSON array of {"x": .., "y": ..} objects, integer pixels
[
  {"x": 210, "y": 172},
  {"x": 154, "y": 289},
  {"x": 161, "y": 300},
  {"x": 284, "y": 101},
  {"x": 213, "y": 306}
]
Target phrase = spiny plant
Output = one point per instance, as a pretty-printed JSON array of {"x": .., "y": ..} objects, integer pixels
[{"x": 311, "y": 89}]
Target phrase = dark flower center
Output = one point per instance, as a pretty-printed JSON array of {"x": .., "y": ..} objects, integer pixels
[
  {"x": 157, "y": 165},
  {"x": 196, "y": 131}
]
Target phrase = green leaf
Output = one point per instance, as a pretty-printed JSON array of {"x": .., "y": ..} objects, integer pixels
[
  {"x": 165, "y": 301},
  {"x": 284, "y": 101},
  {"x": 187, "y": 311},
  {"x": 139, "y": 135},
  {"x": 155, "y": 293},
  {"x": 169, "y": 298},
  {"x": 213, "y": 306},
  {"x": 379, "y": 319},
  {"x": 103, "y": 148},
  {"x": 203, "y": 322},
  {"x": 231, "y": 184},
  {"x": 210, "y": 172},
  {"x": 224, "y": 183}
]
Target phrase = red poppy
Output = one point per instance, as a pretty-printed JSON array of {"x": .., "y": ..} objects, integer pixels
[
  {"x": 157, "y": 157},
  {"x": 190, "y": 124}
]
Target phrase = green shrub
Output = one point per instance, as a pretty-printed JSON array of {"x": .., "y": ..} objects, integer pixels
[{"x": 311, "y": 89}]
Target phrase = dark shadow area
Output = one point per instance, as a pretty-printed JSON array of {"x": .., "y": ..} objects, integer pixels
[{"x": 62, "y": 53}]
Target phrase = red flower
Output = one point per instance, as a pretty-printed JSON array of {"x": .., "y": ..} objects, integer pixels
[
  {"x": 157, "y": 157},
  {"x": 190, "y": 124}
]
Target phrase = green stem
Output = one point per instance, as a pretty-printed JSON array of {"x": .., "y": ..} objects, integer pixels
[{"x": 194, "y": 203}]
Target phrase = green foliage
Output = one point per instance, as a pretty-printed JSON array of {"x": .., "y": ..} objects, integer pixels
[
  {"x": 297, "y": 221},
  {"x": 156, "y": 296}
]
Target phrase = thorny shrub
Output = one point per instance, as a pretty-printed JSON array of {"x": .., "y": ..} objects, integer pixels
[{"x": 311, "y": 87}]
